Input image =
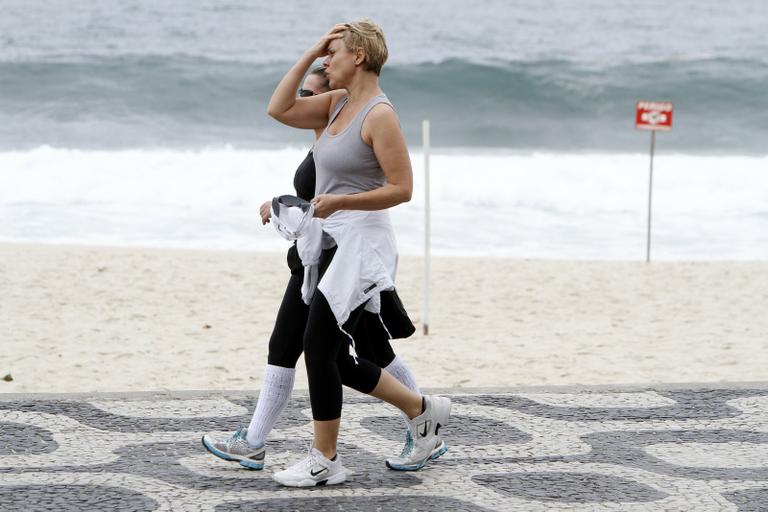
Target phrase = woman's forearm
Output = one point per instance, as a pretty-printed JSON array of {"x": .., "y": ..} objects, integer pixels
[
  {"x": 284, "y": 96},
  {"x": 379, "y": 199}
]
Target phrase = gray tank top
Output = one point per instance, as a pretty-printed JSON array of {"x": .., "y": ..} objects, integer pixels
[{"x": 344, "y": 163}]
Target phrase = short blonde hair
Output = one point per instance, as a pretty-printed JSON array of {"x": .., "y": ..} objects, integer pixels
[{"x": 367, "y": 35}]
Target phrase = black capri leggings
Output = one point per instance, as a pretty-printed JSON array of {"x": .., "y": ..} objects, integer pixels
[
  {"x": 287, "y": 341},
  {"x": 329, "y": 363}
]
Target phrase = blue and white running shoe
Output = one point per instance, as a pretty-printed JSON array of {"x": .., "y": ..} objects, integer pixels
[
  {"x": 236, "y": 448},
  {"x": 423, "y": 442}
]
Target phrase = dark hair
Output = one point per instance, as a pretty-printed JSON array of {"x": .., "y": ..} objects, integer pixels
[{"x": 320, "y": 71}]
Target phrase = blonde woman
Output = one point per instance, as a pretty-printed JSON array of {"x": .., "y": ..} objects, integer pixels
[
  {"x": 247, "y": 446},
  {"x": 362, "y": 169}
]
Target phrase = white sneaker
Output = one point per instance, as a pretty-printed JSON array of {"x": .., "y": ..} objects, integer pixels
[
  {"x": 312, "y": 471},
  {"x": 236, "y": 448},
  {"x": 424, "y": 443}
]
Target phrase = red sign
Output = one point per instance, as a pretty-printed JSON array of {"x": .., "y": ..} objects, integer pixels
[{"x": 654, "y": 115}]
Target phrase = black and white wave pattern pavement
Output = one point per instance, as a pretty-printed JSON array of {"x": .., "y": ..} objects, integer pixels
[{"x": 564, "y": 449}]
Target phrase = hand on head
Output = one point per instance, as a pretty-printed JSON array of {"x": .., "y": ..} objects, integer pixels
[{"x": 320, "y": 49}]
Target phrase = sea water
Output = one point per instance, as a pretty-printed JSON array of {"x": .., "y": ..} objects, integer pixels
[{"x": 140, "y": 123}]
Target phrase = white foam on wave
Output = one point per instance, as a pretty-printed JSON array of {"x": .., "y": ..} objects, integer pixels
[{"x": 484, "y": 202}]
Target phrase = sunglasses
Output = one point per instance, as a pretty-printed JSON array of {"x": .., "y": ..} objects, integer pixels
[{"x": 305, "y": 93}]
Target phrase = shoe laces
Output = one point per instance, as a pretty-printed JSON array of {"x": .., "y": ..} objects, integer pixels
[
  {"x": 310, "y": 460},
  {"x": 408, "y": 447},
  {"x": 238, "y": 436}
]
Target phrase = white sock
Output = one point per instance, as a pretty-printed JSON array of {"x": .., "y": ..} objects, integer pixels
[
  {"x": 273, "y": 397},
  {"x": 399, "y": 370}
]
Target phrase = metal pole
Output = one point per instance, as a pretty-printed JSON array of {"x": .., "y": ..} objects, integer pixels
[
  {"x": 650, "y": 198},
  {"x": 425, "y": 146}
]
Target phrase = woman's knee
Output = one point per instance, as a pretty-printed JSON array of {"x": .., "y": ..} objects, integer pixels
[{"x": 358, "y": 374}]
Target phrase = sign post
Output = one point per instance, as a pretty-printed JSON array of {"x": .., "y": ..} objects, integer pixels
[
  {"x": 652, "y": 116},
  {"x": 425, "y": 148}
]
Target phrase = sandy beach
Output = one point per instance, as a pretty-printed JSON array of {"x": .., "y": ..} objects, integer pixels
[{"x": 80, "y": 319}]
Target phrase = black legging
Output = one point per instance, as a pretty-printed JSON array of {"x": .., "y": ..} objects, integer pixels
[
  {"x": 287, "y": 341},
  {"x": 329, "y": 363}
]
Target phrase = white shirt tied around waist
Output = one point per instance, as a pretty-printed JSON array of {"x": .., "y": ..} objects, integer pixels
[{"x": 364, "y": 264}]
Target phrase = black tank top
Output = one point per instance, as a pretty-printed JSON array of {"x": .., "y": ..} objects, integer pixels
[{"x": 304, "y": 179}]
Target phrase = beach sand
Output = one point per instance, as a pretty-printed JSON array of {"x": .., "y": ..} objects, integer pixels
[{"x": 78, "y": 319}]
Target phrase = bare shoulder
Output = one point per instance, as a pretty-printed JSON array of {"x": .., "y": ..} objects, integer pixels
[
  {"x": 382, "y": 113},
  {"x": 381, "y": 121}
]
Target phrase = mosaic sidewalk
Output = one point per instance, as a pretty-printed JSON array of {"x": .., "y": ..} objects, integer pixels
[{"x": 673, "y": 448}]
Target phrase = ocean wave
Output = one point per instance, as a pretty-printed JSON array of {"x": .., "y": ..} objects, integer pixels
[
  {"x": 566, "y": 206},
  {"x": 188, "y": 101}
]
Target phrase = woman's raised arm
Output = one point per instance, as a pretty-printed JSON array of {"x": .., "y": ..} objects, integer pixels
[{"x": 309, "y": 112}]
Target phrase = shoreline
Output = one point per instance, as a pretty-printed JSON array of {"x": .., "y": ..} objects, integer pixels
[{"x": 79, "y": 319}]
